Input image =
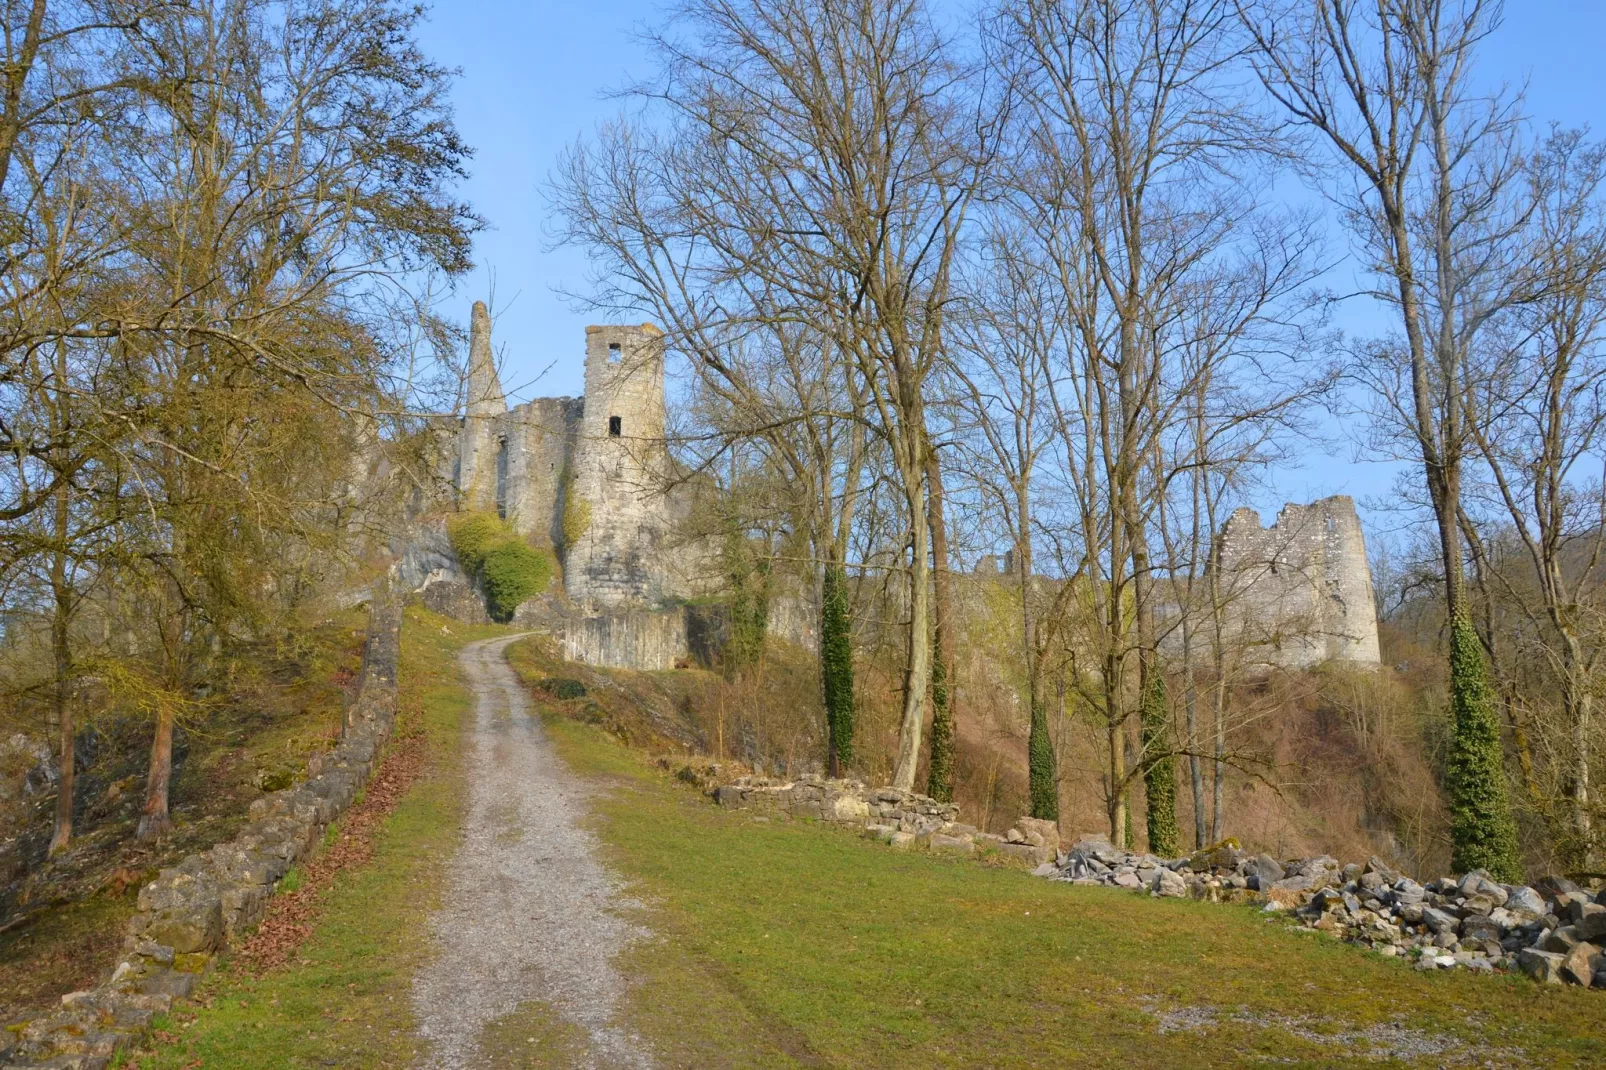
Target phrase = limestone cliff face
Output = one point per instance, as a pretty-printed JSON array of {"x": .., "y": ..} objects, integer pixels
[{"x": 1299, "y": 593}]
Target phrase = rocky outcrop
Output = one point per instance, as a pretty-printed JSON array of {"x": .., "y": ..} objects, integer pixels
[
  {"x": 192, "y": 911},
  {"x": 1553, "y": 931}
]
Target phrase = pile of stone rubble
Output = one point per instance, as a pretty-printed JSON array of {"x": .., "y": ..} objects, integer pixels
[{"x": 1553, "y": 931}]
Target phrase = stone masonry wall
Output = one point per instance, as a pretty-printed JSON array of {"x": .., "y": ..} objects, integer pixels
[
  {"x": 1299, "y": 593},
  {"x": 619, "y": 470},
  {"x": 192, "y": 911}
]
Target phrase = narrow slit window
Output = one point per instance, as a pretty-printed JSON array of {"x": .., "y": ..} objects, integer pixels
[{"x": 616, "y": 426}]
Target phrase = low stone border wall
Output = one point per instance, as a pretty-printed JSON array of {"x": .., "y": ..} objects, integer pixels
[
  {"x": 192, "y": 911},
  {"x": 1554, "y": 931},
  {"x": 902, "y": 819}
]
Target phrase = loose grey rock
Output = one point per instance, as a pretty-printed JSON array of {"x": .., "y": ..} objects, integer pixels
[
  {"x": 1560, "y": 940},
  {"x": 1591, "y": 922},
  {"x": 1266, "y": 869},
  {"x": 1526, "y": 901},
  {"x": 1580, "y": 964},
  {"x": 1439, "y": 921},
  {"x": 1168, "y": 884},
  {"x": 1544, "y": 966}
]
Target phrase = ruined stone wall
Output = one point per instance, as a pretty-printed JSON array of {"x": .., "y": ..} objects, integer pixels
[
  {"x": 480, "y": 440},
  {"x": 619, "y": 465},
  {"x": 1299, "y": 593},
  {"x": 542, "y": 434},
  {"x": 607, "y": 450},
  {"x": 194, "y": 910}
]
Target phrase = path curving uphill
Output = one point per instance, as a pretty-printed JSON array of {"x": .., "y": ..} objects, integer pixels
[{"x": 530, "y": 913}]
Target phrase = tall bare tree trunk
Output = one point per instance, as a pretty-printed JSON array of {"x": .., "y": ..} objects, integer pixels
[
  {"x": 917, "y": 671},
  {"x": 62, "y": 693}
]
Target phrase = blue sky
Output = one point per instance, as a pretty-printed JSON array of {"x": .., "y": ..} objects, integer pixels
[{"x": 535, "y": 78}]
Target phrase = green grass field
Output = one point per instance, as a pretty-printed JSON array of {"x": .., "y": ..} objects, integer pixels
[{"x": 787, "y": 944}]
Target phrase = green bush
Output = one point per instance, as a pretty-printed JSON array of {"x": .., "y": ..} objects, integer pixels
[
  {"x": 510, "y": 572},
  {"x": 508, "y": 569},
  {"x": 836, "y": 665},
  {"x": 1483, "y": 834},
  {"x": 563, "y": 688},
  {"x": 1042, "y": 777},
  {"x": 1159, "y": 776},
  {"x": 471, "y": 535}
]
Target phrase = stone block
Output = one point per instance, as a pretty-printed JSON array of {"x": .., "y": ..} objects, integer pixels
[
  {"x": 951, "y": 844},
  {"x": 849, "y": 809},
  {"x": 1020, "y": 852},
  {"x": 1542, "y": 966},
  {"x": 1579, "y": 965}
]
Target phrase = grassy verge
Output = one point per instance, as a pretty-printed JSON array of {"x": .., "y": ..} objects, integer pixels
[
  {"x": 345, "y": 1000},
  {"x": 791, "y": 945}
]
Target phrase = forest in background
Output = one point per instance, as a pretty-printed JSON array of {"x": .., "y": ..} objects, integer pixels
[{"x": 1027, "y": 283}]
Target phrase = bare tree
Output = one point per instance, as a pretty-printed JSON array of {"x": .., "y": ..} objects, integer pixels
[
  {"x": 1431, "y": 184},
  {"x": 1536, "y": 415},
  {"x": 1137, "y": 181},
  {"x": 818, "y": 168}
]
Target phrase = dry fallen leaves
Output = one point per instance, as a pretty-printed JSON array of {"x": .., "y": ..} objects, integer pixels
[{"x": 290, "y": 916}]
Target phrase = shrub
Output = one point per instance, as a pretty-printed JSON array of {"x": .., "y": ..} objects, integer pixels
[
  {"x": 1159, "y": 776},
  {"x": 836, "y": 665},
  {"x": 471, "y": 535},
  {"x": 576, "y": 515},
  {"x": 1483, "y": 834},
  {"x": 508, "y": 569},
  {"x": 563, "y": 688},
  {"x": 510, "y": 572},
  {"x": 1042, "y": 777}
]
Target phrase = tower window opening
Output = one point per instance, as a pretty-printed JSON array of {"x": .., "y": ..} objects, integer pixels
[
  {"x": 501, "y": 477},
  {"x": 616, "y": 426},
  {"x": 615, "y": 351}
]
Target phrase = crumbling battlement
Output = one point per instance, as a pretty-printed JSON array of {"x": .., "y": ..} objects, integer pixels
[{"x": 1299, "y": 593}]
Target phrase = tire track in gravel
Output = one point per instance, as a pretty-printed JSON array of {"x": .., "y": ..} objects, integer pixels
[{"x": 530, "y": 913}]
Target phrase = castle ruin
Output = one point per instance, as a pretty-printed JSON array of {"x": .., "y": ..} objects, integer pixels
[
  {"x": 1299, "y": 593},
  {"x": 589, "y": 476}
]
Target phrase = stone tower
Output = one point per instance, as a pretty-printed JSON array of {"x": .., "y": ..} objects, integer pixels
[
  {"x": 1299, "y": 593},
  {"x": 620, "y": 469},
  {"x": 482, "y": 448}
]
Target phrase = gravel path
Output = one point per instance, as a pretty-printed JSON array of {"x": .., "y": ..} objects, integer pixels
[{"x": 530, "y": 913}]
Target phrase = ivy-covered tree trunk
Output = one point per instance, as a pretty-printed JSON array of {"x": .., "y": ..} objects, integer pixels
[
  {"x": 1483, "y": 834},
  {"x": 940, "y": 769},
  {"x": 940, "y": 775},
  {"x": 836, "y": 666},
  {"x": 1044, "y": 778},
  {"x": 1159, "y": 778}
]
